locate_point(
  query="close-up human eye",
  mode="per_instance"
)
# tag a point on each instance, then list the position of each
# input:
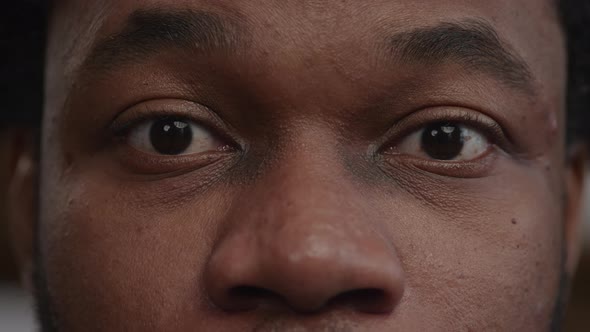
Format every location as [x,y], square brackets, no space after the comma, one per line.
[172,136]
[444,141]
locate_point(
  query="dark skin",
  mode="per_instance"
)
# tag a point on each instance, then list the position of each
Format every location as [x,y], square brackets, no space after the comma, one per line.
[306,198]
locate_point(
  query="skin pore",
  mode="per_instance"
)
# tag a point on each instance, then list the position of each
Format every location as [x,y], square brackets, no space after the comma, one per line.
[306,199]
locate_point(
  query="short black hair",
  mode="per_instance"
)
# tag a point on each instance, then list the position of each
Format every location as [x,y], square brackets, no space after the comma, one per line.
[23,40]
[575,17]
[22,45]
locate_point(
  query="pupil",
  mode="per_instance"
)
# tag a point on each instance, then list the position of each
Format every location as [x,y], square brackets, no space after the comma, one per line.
[171,136]
[443,141]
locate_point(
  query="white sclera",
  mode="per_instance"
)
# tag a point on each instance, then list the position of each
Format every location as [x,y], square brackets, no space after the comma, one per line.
[474,144]
[202,139]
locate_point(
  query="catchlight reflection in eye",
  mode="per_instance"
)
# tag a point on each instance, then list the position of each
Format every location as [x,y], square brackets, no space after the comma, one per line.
[172,136]
[445,141]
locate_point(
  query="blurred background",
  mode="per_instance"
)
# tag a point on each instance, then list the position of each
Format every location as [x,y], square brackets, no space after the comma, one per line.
[21,61]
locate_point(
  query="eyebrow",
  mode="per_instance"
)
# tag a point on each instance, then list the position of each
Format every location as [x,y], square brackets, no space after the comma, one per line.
[474,44]
[149,31]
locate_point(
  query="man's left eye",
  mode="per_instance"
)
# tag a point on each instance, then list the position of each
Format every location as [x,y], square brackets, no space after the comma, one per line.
[444,141]
[172,136]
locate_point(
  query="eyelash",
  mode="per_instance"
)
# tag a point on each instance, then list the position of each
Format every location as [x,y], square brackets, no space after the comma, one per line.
[122,125]
[491,129]
[418,120]
[120,129]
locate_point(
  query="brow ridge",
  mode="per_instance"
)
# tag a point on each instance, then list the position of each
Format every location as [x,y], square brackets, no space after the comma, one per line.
[149,31]
[472,43]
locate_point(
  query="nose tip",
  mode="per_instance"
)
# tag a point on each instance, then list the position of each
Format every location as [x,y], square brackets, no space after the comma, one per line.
[305,276]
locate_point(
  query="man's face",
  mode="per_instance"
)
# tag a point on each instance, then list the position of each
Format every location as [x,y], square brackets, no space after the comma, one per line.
[303,165]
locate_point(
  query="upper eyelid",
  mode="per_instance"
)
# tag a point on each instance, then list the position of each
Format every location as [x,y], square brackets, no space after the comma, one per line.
[423,155]
[189,110]
[125,127]
[124,120]
[471,118]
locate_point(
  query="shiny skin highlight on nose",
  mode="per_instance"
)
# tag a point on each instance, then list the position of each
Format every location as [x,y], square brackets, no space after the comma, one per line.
[307,245]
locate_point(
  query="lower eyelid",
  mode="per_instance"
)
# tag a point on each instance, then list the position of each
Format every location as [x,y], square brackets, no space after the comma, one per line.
[476,168]
[142,163]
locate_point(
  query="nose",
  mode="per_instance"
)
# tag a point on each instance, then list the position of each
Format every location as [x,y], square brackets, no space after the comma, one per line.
[304,247]
[306,272]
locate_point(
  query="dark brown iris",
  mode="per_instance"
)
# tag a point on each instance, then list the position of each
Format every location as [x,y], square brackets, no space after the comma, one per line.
[171,136]
[443,141]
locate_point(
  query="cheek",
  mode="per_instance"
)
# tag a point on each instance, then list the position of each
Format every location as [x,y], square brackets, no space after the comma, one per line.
[483,253]
[109,256]
[477,253]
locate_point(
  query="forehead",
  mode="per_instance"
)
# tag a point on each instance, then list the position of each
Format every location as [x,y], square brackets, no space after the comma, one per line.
[318,29]
[525,24]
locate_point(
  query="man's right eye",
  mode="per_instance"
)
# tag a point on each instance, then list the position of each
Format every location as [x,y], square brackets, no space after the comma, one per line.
[173,136]
[445,141]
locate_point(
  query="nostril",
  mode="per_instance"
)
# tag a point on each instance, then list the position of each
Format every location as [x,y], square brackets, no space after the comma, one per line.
[368,300]
[250,297]
[249,292]
[304,273]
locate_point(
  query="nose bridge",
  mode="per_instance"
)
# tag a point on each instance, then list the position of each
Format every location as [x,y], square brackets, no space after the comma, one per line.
[309,187]
[306,190]
[311,213]
[302,206]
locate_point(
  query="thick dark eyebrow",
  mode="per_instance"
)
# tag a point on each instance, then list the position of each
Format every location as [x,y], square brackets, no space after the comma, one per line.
[150,31]
[473,44]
